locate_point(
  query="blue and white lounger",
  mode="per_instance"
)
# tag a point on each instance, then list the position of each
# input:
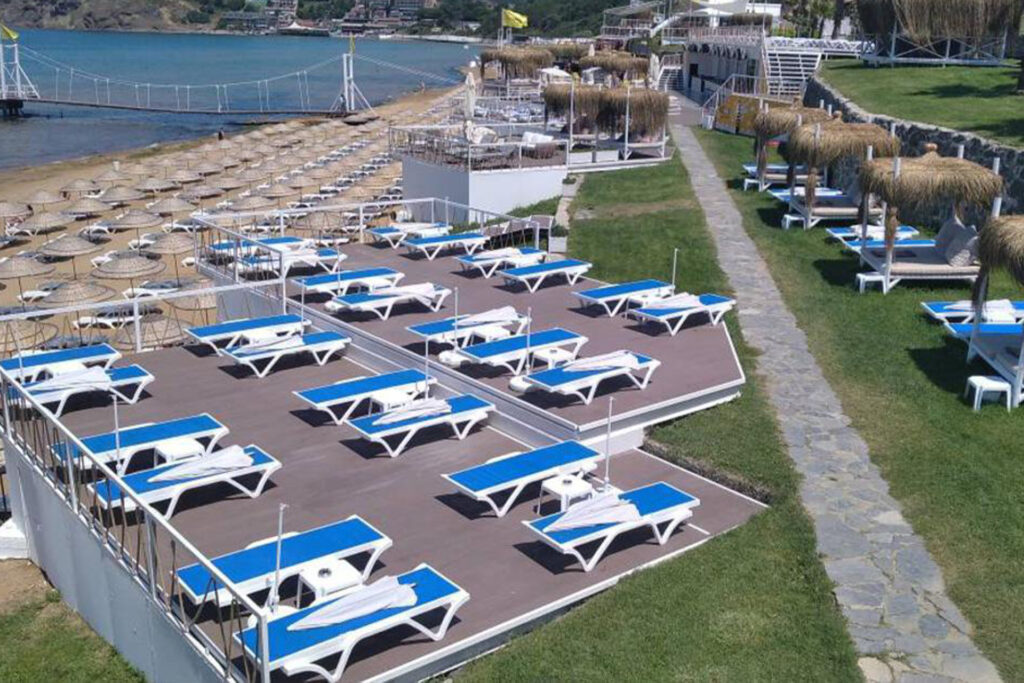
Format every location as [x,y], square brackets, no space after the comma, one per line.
[396,233]
[462,414]
[851,233]
[582,376]
[515,353]
[855,245]
[658,504]
[965,330]
[245,247]
[252,569]
[322,345]
[325,257]
[129,441]
[612,298]
[126,383]
[345,280]
[532,277]
[384,392]
[381,302]
[298,651]
[487,262]
[963,312]
[234,331]
[29,366]
[432,246]
[461,330]
[783,194]
[511,474]
[161,485]
[673,317]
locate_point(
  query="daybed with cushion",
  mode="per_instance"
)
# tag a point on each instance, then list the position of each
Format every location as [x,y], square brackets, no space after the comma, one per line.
[954,256]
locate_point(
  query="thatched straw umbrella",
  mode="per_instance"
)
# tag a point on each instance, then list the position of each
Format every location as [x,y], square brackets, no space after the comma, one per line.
[171,205]
[647,110]
[517,62]
[9,210]
[79,186]
[154,331]
[136,220]
[46,221]
[43,198]
[567,52]
[251,203]
[820,145]
[119,195]
[205,168]
[926,20]
[622,64]
[129,268]
[197,193]
[23,335]
[228,183]
[277,191]
[252,175]
[184,176]
[18,267]
[775,121]
[583,101]
[111,177]
[75,292]
[172,244]
[69,247]
[1000,245]
[155,185]
[229,161]
[87,206]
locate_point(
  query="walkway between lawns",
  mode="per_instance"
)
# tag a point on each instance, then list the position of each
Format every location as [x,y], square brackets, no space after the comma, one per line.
[891,591]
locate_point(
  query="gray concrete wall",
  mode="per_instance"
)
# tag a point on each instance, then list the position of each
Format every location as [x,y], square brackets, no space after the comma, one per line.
[421,180]
[915,135]
[95,585]
[502,191]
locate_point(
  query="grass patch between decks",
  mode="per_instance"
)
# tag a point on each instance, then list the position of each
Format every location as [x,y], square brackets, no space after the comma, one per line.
[752,605]
[958,474]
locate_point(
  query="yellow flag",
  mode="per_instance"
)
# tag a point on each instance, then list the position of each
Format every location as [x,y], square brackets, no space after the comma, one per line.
[352,44]
[7,34]
[510,19]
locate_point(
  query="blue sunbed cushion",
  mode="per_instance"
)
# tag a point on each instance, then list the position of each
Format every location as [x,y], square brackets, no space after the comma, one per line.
[358,387]
[964,330]
[344,276]
[947,308]
[900,244]
[128,373]
[546,267]
[142,482]
[383,230]
[235,326]
[444,239]
[459,405]
[437,326]
[251,563]
[135,436]
[654,310]
[553,377]
[492,474]
[648,500]
[485,350]
[428,585]
[82,353]
[622,289]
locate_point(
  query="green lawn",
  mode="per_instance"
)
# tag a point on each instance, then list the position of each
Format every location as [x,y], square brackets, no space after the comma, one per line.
[43,640]
[959,475]
[981,100]
[752,605]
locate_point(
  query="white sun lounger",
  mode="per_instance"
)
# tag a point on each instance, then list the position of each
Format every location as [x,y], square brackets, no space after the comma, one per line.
[674,317]
[582,376]
[612,298]
[153,486]
[396,233]
[464,412]
[856,245]
[459,331]
[532,277]
[234,331]
[325,257]
[62,387]
[384,392]
[246,247]
[851,233]
[252,569]
[382,301]
[130,441]
[432,246]
[659,505]
[510,474]
[344,280]
[515,353]
[29,366]
[322,345]
[962,311]
[488,262]
[302,651]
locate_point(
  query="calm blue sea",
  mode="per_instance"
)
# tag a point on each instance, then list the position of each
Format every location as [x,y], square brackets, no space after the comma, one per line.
[70,61]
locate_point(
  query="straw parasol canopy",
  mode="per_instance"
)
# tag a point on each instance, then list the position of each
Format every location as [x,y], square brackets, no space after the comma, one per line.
[152,184]
[277,190]
[774,121]
[300,181]
[319,221]
[87,206]
[320,173]
[154,331]
[605,108]
[128,268]
[23,266]
[74,292]
[251,203]
[22,335]
[201,192]
[171,244]
[46,221]
[69,246]
[229,161]
[252,175]
[119,194]
[517,62]
[184,175]
[170,205]
[136,219]
[136,170]
[567,52]
[80,186]
[1000,245]
[207,168]
[13,210]
[43,198]
[246,154]
[820,145]
[927,20]
[228,183]
[204,300]
[111,176]
[622,64]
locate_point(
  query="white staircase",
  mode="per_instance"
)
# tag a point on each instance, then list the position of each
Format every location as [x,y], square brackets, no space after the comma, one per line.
[670,78]
[787,69]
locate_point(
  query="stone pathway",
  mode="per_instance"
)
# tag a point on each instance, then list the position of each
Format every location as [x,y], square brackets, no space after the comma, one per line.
[903,625]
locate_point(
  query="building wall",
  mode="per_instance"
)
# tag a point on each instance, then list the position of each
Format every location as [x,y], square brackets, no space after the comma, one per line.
[92,582]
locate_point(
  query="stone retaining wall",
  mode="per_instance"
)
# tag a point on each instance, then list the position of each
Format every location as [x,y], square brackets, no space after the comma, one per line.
[915,135]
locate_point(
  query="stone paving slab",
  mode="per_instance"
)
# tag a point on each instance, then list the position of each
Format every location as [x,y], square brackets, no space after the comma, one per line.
[888,587]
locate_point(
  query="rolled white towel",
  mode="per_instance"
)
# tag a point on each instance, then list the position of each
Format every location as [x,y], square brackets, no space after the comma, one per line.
[604,508]
[384,593]
[424,407]
[225,460]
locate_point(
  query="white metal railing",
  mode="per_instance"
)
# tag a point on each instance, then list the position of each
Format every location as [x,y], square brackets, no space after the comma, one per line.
[432,145]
